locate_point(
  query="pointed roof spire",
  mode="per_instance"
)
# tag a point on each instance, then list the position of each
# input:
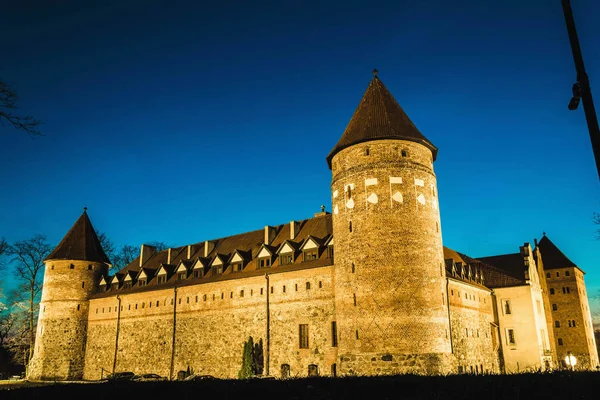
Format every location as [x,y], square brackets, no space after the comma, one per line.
[80,243]
[379,116]
[552,257]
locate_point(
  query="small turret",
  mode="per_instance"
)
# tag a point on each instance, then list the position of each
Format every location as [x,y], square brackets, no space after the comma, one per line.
[72,273]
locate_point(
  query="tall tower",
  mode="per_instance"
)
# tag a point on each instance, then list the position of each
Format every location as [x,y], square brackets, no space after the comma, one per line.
[573,325]
[391,304]
[72,273]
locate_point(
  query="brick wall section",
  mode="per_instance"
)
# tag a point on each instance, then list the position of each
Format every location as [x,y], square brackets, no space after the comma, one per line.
[396,248]
[472,316]
[210,333]
[62,320]
[572,306]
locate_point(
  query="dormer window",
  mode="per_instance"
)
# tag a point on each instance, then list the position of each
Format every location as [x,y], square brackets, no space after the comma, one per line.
[310,254]
[198,273]
[142,282]
[181,275]
[264,262]
[162,279]
[236,267]
[127,285]
[218,269]
[115,286]
[286,259]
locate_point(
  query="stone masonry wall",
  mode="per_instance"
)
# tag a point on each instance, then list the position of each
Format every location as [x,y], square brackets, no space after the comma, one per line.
[390,279]
[569,303]
[212,322]
[472,316]
[62,320]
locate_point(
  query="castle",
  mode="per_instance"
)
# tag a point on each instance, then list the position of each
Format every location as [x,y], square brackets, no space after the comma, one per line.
[367,289]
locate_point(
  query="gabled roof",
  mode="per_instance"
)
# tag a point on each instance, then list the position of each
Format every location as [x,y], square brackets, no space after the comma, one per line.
[80,243]
[288,243]
[379,116]
[310,238]
[552,257]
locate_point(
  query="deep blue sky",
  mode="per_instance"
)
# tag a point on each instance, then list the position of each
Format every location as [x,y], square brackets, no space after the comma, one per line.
[184,121]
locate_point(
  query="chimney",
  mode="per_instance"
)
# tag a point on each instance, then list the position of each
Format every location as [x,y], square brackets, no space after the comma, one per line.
[145,252]
[208,247]
[294,229]
[169,255]
[189,251]
[269,234]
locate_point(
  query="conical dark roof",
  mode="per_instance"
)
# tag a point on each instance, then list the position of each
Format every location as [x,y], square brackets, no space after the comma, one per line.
[80,243]
[552,257]
[379,116]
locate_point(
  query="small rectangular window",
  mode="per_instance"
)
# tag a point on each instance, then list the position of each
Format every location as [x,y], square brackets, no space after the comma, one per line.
[567,273]
[560,342]
[303,336]
[285,259]
[506,308]
[264,262]
[554,307]
[510,337]
[310,255]
[236,267]
[557,324]
[334,339]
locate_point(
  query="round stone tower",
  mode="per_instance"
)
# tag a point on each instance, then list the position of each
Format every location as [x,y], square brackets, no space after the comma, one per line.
[391,307]
[72,273]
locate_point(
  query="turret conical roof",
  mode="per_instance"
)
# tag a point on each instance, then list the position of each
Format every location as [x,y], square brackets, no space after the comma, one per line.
[379,116]
[80,243]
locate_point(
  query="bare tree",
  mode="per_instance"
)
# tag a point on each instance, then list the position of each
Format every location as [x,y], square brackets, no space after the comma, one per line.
[159,246]
[119,257]
[3,250]
[28,262]
[8,106]
[125,256]
[107,245]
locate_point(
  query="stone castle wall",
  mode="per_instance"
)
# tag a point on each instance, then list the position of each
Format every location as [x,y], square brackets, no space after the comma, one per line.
[472,328]
[209,334]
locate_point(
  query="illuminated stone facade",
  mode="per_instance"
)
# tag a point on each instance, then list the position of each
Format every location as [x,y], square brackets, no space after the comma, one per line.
[367,289]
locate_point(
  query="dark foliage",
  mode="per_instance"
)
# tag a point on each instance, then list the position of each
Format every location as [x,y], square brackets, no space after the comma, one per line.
[558,385]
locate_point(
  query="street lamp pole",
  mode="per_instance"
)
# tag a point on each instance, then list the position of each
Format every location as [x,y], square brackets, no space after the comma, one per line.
[581,88]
